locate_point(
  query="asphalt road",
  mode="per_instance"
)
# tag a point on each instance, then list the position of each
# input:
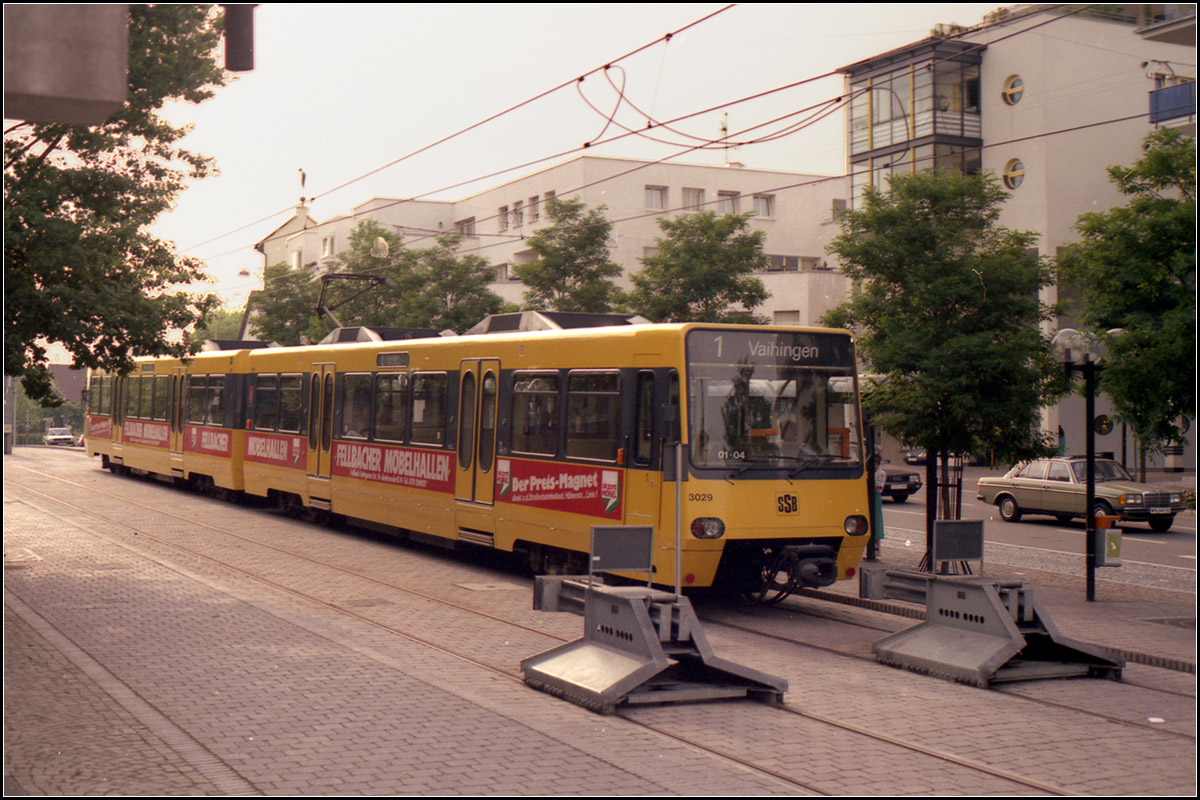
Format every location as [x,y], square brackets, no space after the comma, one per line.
[1175,548]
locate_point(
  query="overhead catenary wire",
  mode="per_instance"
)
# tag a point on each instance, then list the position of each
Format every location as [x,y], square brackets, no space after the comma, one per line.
[665,38]
[653,124]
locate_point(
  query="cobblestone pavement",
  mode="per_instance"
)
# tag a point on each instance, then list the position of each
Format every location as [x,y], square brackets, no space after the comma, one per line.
[131,671]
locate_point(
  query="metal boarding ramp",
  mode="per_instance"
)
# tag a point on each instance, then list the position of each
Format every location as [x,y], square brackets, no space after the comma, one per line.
[979,630]
[640,645]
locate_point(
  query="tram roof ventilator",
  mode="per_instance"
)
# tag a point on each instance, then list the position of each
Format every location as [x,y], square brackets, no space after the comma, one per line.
[550,321]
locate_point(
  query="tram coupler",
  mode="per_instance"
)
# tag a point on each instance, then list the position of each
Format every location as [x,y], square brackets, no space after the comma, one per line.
[640,645]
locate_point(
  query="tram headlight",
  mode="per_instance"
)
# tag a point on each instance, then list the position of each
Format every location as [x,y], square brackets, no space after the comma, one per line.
[708,528]
[856,525]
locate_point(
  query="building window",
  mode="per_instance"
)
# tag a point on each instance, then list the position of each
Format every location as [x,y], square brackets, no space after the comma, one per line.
[764,205]
[1014,87]
[783,263]
[727,202]
[502,218]
[326,247]
[1014,173]
[465,227]
[786,318]
[693,199]
[518,214]
[656,198]
[534,209]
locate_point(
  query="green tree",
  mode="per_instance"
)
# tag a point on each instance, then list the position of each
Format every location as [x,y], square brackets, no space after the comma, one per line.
[220,323]
[377,251]
[947,309]
[572,270]
[1136,267]
[702,272]
[285,310]
[80,266]
[454,292]
[429,288]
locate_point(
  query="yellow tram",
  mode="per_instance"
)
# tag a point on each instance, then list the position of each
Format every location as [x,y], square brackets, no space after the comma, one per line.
[524,441]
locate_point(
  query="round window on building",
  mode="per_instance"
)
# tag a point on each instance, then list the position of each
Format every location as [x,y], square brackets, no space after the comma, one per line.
[1014,173]
[1014,87]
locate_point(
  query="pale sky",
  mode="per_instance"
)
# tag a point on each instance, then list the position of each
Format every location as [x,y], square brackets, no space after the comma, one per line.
[342,90]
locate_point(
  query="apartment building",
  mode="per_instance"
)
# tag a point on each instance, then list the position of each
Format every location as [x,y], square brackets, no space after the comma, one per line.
[796,212]
[1046,97]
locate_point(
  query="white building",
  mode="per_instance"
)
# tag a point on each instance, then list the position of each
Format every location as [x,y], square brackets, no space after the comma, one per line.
[1045,97]
[797,212]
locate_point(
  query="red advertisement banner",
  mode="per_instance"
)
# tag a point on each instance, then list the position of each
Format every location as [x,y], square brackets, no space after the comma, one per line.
[153,434]
[579,489]
[208,441]
[278,451]
[398,466]
[99,427]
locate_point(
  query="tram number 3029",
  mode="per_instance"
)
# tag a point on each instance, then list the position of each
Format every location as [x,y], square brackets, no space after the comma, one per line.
[786,504]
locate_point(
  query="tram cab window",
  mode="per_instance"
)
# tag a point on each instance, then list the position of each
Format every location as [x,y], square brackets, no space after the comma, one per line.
[428,408]
[535,413]
[356,406]
[389,406]
[593,415]
[100,395]
[266,402]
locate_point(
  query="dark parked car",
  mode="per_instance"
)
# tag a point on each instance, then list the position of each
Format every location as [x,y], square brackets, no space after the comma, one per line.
[1058,486]
[901,483]
[915,457]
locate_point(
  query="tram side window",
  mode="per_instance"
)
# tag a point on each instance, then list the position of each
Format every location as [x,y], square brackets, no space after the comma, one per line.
[133,396]
[216,400]
[196,385]
[291,402]
[356,406]
[593,415]
[266,402]
[535,413]
[389,406]
[162,398]
[644,424]
[429,408]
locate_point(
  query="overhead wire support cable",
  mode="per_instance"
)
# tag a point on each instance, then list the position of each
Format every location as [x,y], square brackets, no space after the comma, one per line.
[664,38]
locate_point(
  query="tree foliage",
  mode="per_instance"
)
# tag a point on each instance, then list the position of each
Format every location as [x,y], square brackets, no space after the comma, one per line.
[947,307]
[81,268]
[1136,268]
[571,270]
[285,310]
[702,272]
[429,287]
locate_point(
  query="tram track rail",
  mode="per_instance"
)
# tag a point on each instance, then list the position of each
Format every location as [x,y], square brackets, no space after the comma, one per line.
[341,609]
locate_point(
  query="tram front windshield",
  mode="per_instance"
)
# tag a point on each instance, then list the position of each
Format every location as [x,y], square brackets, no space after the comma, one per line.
[773,400]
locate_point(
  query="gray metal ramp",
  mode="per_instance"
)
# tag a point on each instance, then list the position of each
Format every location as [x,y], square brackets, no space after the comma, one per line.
[640,645]
[982,631]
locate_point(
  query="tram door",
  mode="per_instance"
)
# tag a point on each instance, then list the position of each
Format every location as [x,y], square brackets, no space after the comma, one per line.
[320,422]
[177,404]
[479,382]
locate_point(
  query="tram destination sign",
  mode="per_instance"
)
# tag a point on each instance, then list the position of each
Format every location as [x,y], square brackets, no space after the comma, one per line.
[767,347]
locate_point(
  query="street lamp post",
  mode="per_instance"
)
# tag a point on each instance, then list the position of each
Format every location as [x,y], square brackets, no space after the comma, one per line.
[1083,352]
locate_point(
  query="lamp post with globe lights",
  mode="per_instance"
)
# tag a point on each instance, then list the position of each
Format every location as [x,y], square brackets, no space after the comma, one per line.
[1083,352]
